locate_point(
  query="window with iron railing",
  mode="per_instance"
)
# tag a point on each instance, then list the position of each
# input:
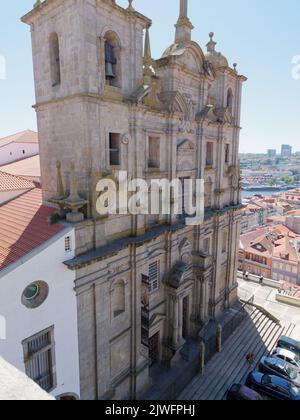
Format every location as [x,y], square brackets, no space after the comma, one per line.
[39,359]
[154,276]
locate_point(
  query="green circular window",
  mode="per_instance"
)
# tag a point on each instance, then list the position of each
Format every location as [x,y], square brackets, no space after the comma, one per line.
[35,294]
[31,292]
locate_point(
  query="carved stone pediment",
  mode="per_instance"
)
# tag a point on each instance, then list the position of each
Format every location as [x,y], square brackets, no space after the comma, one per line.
[186,155]
[223,115]
[178,275]
[185,145]
[219,115]
[156,318]
[147,94]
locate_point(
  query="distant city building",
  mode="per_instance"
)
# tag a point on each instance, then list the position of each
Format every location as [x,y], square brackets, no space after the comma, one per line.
[286,150]
[18,146]
[272,153]
[273,252]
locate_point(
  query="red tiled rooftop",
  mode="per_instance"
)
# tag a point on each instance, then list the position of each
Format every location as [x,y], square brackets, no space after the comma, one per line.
[29,167]
[250,237]
[10,182]
[24,226]
[27,136]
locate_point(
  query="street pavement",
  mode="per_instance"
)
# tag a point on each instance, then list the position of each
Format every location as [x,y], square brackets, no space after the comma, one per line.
[266,297]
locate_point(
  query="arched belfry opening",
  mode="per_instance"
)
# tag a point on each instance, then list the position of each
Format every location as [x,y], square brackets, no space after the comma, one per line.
[113,67]
[55,60]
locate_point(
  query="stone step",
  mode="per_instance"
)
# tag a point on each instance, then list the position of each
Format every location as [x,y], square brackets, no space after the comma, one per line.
[235,340]
[229,368]
[233,348]
[259,352]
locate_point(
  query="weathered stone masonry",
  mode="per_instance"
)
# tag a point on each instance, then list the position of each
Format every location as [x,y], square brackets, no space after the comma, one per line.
[103,104]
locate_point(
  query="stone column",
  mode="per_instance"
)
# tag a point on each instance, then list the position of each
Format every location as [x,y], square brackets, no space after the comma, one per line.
[180,319]
[202,358]
[202,300]
[175,322]
[206,298]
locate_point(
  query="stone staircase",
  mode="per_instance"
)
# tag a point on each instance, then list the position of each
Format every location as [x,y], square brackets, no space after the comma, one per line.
[257,334]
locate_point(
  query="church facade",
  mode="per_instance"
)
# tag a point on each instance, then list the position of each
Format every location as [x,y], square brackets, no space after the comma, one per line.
[144,283]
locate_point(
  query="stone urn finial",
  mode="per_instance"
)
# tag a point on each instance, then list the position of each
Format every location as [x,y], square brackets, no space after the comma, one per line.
[74,202]
[60,187]
[130,8]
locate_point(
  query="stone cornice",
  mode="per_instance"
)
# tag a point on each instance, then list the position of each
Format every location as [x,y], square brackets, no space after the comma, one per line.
[172,64]
[48,5]
[231,72]
[85,95]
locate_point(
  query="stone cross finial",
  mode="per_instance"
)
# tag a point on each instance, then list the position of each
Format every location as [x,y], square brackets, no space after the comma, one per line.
[184,8]
[211,46]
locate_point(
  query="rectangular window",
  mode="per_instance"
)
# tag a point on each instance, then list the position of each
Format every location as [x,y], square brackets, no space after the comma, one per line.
[227,153]
[39,359]
[209,154]
[206,245]
[154,152]
[68,244]
[154,276]
[114,149]
[224,243]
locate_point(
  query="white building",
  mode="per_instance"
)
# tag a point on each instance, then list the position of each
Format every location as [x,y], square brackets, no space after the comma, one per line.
[38,328]
[18,146]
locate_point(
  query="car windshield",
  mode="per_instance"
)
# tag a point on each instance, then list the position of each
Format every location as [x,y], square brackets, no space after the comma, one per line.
[297,360]
[266,380]
[292,374]
[294,391]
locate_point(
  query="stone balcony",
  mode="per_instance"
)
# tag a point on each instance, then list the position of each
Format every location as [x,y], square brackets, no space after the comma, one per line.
[202,261]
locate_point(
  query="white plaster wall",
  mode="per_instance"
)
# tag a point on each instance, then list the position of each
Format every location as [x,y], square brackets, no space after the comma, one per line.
[59,310]
[14,151]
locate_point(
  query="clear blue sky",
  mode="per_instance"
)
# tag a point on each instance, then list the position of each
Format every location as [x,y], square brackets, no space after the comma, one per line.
[261,36]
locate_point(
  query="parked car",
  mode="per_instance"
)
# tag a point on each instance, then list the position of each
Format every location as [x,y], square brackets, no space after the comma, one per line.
[240,392]
[289,344]
[277,367]
[273,386]
[287,356]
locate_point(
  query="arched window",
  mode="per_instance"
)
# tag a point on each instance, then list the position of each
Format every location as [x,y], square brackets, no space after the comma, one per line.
[208,193]
[113,73]
[55,59]
[118,298]
[230,100]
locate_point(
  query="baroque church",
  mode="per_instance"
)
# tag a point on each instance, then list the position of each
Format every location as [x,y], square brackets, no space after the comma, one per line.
[145,284]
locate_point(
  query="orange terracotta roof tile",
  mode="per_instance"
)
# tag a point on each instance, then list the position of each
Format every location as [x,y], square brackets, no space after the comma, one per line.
[24,226]
[10,182]
[27,136]
[29,167]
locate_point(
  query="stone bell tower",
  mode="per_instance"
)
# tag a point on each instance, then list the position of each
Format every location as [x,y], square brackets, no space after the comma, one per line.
[72,42]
